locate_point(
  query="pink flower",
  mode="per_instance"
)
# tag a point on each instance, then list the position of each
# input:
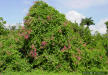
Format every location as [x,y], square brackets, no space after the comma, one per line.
[64,48]
[79,58]
[35,50]
[43,43]
[26,36]
[16,39]
[33,53]
[32,46]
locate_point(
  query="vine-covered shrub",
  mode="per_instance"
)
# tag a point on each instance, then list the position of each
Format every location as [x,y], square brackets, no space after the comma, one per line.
[54,43]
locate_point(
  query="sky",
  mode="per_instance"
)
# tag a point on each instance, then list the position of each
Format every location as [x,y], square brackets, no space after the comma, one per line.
[13,11]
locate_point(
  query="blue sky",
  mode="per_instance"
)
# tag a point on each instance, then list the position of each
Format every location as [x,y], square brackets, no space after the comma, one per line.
[13,11]
[89,8]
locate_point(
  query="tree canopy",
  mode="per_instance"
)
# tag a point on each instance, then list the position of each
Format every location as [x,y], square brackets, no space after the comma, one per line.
[87,21]
[2,22]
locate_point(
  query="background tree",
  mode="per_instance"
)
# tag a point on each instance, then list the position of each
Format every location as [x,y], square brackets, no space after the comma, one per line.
[13,28]
[87,21]
[106,26]
[2,22]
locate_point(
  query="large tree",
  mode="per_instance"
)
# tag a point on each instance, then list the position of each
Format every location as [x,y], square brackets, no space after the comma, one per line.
[87,21]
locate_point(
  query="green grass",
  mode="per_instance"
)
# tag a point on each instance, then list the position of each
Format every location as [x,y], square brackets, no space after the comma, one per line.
[39,73]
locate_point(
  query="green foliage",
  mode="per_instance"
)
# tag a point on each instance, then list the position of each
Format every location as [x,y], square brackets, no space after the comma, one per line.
[10,57]
[10,60]
[48,41]
[12,27]
[105,42]
[106,26]
[40,72]
[87,21]
[57,44]
[45,27]
[2,29]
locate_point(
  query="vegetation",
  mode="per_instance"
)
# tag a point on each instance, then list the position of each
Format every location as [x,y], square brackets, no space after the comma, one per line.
[39,72]
[106,25]
[87,21]
[49,42]
[2,22]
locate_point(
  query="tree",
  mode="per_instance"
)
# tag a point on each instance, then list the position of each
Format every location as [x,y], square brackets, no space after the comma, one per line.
[87,21]
[2,22]
[106,25]
[13,28]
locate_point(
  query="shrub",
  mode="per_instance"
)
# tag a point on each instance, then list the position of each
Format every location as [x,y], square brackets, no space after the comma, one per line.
[54,43]
[10,57]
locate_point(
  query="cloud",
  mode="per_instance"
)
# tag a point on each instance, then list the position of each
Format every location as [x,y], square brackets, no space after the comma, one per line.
[79,3]
[74,16]
[100,27]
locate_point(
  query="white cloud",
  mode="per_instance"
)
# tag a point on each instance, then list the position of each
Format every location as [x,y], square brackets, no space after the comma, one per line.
[80,3]
[74,16]
[100,27]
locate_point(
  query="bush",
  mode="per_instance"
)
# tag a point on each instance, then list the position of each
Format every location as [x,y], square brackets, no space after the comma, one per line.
[48,41]
[54,43]
[10,57]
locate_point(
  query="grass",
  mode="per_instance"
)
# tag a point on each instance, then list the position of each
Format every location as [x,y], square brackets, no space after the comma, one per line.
[40,73]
